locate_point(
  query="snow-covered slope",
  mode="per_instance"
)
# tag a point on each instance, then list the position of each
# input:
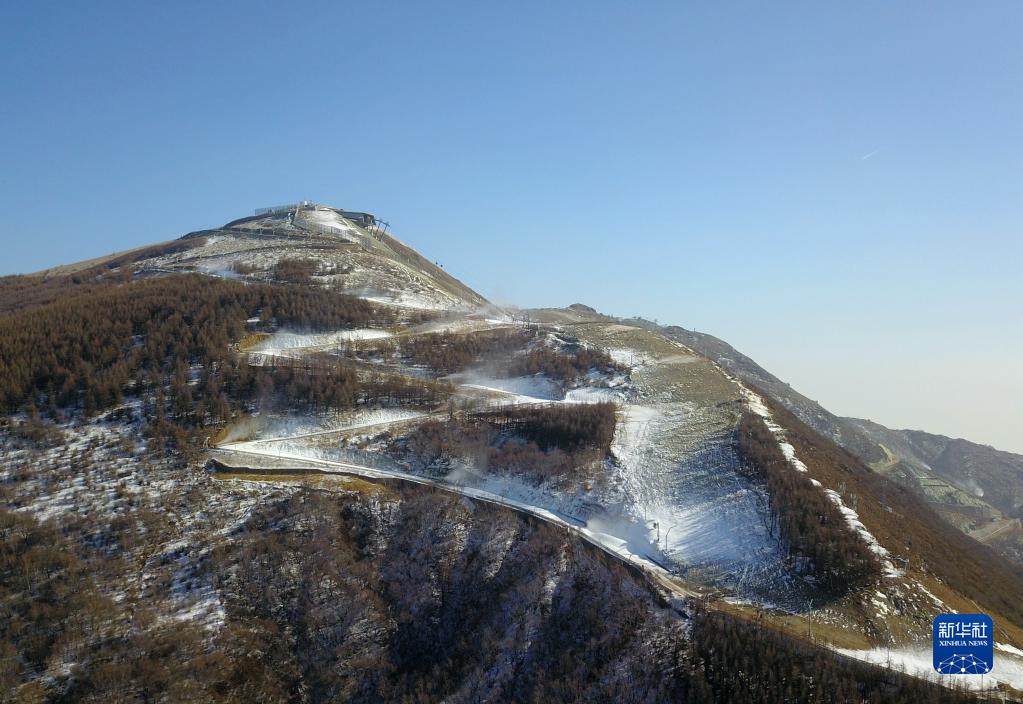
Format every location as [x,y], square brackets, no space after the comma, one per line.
[353,259]
[976,488]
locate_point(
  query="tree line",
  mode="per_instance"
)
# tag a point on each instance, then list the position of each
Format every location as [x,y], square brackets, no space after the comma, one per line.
[449,352]
[327,384]
[567,427]
[808,522]
[564,366]
[23,291]
[541,442]
[746,662]
[295,270]
[86,349]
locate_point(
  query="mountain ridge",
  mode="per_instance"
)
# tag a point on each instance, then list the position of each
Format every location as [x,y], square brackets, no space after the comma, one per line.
[329,352]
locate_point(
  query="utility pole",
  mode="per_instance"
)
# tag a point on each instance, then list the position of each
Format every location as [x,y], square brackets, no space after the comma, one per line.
[666,534]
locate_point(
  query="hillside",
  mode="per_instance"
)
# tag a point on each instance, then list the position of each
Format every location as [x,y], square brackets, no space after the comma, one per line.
[974,487]
[304,462]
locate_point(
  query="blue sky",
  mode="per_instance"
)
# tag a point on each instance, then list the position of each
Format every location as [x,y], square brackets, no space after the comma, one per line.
[834,190]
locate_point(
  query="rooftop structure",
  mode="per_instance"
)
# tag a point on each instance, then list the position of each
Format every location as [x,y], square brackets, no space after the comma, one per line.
[360,218]
[281,209]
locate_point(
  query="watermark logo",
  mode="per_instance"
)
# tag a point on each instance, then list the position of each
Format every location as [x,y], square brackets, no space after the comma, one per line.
[964,644]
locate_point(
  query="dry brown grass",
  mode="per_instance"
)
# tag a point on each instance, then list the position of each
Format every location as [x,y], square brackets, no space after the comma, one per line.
[314,480]
[251,340]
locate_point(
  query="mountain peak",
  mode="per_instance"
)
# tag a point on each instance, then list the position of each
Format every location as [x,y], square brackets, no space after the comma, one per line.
[349,251]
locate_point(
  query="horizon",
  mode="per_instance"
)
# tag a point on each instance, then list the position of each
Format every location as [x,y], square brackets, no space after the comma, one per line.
[851,223]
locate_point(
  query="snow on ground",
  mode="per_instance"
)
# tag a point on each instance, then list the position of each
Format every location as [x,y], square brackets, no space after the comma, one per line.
[938,602]
[460,324]
[101,473]
[516,389]
[284,341]
[373,271]
[511,493]
[1011,649]
[697,510]
[880,601]
[622,533]
[852,519]
[594,394]
[918,661]
[284,428]
[674,494]
[282,448]
[628,357]
[320,219]
[221,270]
[192,598]
[417,300]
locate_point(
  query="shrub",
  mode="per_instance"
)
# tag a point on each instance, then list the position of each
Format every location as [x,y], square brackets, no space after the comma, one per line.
[451,352]
[541,441]
[566,367]
[295,271]
[567,427]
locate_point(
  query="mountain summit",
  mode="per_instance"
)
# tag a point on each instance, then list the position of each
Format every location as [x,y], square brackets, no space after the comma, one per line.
[352,252]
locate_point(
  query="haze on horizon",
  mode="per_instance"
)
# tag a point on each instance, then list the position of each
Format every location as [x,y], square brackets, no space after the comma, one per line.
[835,191]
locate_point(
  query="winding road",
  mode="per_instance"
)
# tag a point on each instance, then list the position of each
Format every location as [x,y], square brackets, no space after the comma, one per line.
[251,460]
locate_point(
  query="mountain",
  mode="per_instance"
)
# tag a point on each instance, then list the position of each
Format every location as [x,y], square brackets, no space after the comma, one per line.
[975,487]
[292,459]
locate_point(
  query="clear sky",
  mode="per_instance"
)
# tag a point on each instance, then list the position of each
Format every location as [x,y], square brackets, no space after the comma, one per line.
[836,191]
